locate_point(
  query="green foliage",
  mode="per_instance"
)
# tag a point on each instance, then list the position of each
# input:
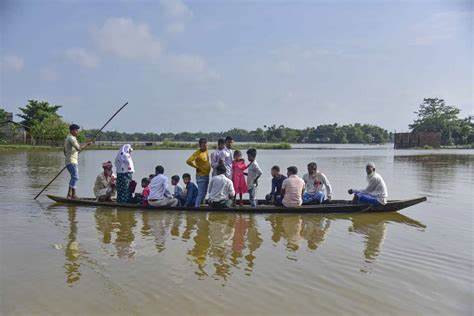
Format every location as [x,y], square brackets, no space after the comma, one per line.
[331,133]
[434,115]
[3,115]
[50,130]
[3,118]
[36,112]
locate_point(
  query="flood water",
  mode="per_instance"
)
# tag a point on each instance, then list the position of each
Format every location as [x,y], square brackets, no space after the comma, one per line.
[85,260]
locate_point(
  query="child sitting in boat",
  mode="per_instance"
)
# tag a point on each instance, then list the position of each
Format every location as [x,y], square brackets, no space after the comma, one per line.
[142,198]
[190,191]
[238,175]
[178,190]
[275,196]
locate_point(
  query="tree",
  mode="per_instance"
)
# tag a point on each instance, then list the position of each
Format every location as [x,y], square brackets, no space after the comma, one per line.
[434,115]
[3,115]
[37,111]
[3,118]
[51,130]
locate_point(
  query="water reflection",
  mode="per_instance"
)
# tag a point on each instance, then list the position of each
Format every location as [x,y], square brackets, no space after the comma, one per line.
[220,244]
[295,228]
[110,222]
[71,252]
[434,171]
[373,227]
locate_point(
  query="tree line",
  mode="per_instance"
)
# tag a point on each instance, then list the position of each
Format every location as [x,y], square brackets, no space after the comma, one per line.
[330,133]
[46,126]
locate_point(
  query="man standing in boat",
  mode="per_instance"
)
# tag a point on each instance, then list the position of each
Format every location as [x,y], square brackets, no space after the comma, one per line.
[71,153]
[376,191]
[200,161]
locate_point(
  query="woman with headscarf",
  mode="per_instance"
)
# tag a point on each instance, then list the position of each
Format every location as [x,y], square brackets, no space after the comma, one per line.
[125,169]
[104,187]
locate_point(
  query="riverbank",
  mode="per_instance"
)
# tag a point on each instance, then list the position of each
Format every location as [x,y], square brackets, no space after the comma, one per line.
[161,146]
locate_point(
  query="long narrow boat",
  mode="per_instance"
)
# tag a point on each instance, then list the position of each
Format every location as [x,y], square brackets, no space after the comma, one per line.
[335,206]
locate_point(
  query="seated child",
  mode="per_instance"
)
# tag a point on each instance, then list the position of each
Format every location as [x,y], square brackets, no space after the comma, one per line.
[275,197]
[178,190]
[142,198]
[190,191]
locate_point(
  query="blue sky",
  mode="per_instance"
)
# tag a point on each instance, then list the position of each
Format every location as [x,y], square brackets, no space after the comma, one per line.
[210,65]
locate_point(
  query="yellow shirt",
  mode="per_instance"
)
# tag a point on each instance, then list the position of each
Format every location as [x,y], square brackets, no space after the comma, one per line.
[71,150]
[200,160]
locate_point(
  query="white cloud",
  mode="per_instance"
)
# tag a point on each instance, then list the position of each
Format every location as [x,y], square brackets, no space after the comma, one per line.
[442,26]
[189,66]
[125,38]
[176,9]
[12,62]
[82,57]
[49,74]
[177,14]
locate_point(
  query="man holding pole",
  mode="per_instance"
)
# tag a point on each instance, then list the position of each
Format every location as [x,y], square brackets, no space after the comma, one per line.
[71,153]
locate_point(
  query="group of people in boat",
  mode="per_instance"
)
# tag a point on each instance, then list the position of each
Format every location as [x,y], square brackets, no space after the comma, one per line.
[222,176]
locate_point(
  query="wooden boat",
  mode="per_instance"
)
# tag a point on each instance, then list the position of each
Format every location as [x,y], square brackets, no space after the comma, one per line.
[334,206]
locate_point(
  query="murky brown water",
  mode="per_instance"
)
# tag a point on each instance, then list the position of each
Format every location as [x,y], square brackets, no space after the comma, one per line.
[82,260]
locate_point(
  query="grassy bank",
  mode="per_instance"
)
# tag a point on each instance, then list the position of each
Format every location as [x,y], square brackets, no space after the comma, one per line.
[162,146]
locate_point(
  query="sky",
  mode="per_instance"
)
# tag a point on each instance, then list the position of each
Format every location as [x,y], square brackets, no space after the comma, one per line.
[216,65]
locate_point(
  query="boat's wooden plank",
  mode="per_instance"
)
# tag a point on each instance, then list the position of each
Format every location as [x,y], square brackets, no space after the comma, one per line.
[332,207]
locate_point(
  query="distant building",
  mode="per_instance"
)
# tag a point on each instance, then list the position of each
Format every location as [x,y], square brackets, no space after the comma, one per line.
[12,132]
[417,139]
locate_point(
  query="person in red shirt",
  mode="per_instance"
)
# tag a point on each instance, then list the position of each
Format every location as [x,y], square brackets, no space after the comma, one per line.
[146,191]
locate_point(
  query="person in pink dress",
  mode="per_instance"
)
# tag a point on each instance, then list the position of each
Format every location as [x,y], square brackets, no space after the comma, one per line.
[238,175]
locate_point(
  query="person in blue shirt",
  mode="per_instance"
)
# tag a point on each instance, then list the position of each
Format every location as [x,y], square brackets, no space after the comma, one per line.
[190,192]
[178,192]
[275,196]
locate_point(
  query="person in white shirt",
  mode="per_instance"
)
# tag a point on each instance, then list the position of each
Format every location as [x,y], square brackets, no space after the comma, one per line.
[159,192]
[317,186]
[253,174]
[229,156]
[376,191]
[222,156]
[221,189]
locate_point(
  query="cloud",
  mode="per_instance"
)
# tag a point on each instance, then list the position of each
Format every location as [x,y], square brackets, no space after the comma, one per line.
[49,74]
[189,66]
[125,38]
[441,26]
[177,15]
[12,62]
[175,9]
[82,57]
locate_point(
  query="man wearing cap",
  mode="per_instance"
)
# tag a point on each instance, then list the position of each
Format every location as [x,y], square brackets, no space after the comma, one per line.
[376,191]
[71,153]
[104,187]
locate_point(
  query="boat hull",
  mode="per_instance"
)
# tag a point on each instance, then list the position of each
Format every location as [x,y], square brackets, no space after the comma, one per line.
[337,206]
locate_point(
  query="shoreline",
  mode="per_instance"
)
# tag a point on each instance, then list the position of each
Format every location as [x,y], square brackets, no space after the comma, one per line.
[189,146]
[164,146]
